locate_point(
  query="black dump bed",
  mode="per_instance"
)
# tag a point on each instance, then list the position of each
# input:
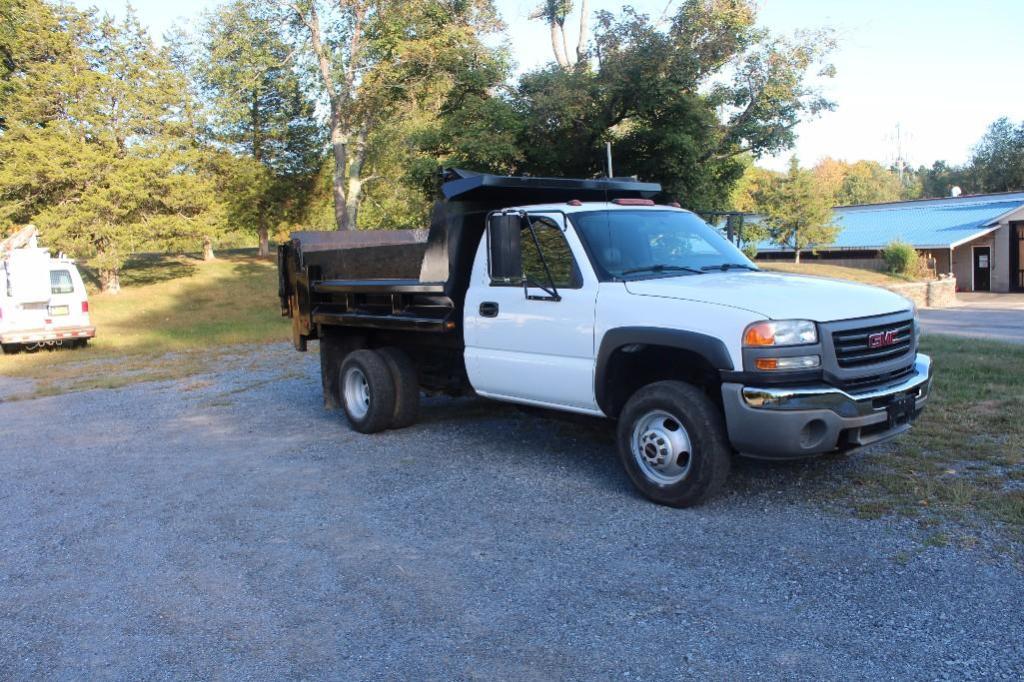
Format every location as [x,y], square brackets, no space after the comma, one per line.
[415,279]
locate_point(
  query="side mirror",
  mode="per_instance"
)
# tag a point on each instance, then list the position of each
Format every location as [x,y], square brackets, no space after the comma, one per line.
[504,233]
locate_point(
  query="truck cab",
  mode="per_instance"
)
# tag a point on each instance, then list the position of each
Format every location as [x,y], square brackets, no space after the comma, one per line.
[611,304]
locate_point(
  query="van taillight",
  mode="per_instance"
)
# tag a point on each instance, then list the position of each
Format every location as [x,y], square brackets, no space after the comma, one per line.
[85,306]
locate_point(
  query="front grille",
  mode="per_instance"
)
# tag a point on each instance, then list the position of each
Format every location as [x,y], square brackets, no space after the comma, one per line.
[853,348]
[876,380]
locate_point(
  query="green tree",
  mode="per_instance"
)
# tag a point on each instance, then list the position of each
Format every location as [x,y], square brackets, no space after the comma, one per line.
[257,108]
[376,57]
[996,165]
[912,184]
[939,179]
[744,199]
[98,151]
[797,211]
[997,161]
[868,182]
[682,103]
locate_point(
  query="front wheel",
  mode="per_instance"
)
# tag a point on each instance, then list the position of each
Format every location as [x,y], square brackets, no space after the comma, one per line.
[673,445]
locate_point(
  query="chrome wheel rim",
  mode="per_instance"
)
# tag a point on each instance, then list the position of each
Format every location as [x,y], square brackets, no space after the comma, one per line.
[357,393]
[662,448]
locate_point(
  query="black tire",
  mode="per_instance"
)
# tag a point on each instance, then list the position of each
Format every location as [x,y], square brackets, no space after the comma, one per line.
[706,467]
[407,386]
[369,403]
[11,348]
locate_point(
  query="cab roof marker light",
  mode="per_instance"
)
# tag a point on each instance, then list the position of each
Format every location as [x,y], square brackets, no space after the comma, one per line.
[633,202]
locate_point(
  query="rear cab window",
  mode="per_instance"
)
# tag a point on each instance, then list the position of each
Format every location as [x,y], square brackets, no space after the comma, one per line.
[61,282]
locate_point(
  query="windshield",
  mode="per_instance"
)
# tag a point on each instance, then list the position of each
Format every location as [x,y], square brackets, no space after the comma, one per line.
[634,244]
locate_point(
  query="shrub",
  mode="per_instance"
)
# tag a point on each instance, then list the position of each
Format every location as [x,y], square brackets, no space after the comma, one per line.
[901,258]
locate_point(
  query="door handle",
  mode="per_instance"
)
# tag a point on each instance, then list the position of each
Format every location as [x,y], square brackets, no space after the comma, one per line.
[488,309]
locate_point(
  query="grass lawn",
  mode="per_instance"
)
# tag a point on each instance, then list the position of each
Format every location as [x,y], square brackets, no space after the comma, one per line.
[964,459]
[167,304]
[816,269]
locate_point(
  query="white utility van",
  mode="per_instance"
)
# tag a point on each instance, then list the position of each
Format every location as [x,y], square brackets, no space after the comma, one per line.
[42,299]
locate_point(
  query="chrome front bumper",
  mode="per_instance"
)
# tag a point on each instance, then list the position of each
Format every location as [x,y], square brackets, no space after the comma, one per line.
[788,422]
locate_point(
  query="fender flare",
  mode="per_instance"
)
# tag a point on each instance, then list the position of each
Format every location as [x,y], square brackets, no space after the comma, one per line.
[712,349]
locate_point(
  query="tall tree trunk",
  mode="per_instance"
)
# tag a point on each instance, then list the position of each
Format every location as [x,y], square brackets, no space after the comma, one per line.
[341,98]
[569,57]
[339,144]
[208,254]
[581,44]
[558,45]
[110,281]
[796,256]
[257,154]
[264,249]
[264,234]
[355,178]
[355,187]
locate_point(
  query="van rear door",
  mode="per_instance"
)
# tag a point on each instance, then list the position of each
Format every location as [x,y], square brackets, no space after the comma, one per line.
[65,308]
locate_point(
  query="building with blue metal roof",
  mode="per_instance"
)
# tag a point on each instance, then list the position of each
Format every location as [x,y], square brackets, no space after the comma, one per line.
[978,238]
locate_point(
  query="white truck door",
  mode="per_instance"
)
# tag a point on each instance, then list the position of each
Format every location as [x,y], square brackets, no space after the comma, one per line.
[534,350]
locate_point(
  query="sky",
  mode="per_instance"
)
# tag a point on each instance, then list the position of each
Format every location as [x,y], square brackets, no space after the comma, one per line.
[940,70]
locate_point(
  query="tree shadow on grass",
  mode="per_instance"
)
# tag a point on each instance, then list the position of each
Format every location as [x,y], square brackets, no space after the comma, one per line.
[143,269]
[250,269]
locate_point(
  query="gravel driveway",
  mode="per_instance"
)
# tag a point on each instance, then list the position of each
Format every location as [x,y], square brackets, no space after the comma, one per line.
[226,526]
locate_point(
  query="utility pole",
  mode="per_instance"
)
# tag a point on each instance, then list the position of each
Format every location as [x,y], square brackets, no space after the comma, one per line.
[900,162]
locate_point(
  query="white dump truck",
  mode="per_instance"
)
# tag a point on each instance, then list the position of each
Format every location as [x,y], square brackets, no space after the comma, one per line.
[600,297]
[43,301]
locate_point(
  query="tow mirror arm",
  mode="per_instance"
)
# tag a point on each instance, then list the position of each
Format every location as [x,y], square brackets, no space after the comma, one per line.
[550,289]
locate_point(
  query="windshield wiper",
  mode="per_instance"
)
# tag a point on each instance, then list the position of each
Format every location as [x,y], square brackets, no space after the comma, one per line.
[724,267]
[660,267]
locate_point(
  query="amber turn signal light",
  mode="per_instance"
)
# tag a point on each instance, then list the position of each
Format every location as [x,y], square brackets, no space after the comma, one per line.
[760,334]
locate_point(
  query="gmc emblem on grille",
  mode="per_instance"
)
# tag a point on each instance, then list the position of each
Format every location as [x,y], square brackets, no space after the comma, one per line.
[882,339]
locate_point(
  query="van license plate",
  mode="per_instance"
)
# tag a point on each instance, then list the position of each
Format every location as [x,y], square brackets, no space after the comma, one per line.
[901,410]
[59,310]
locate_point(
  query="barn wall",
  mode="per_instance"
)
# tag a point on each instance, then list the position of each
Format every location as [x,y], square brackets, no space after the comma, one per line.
[963,263]
[1001,259]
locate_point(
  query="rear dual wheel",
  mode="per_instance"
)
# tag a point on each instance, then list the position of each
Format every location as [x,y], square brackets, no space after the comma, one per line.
[407,387]
[379,389]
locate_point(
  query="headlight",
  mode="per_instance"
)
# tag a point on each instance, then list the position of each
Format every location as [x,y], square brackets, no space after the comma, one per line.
[780,333]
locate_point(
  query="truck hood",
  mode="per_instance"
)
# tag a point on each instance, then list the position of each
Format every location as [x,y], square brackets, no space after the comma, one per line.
[776,296]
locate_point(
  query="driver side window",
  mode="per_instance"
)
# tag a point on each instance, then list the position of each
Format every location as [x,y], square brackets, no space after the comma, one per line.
[556,252]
